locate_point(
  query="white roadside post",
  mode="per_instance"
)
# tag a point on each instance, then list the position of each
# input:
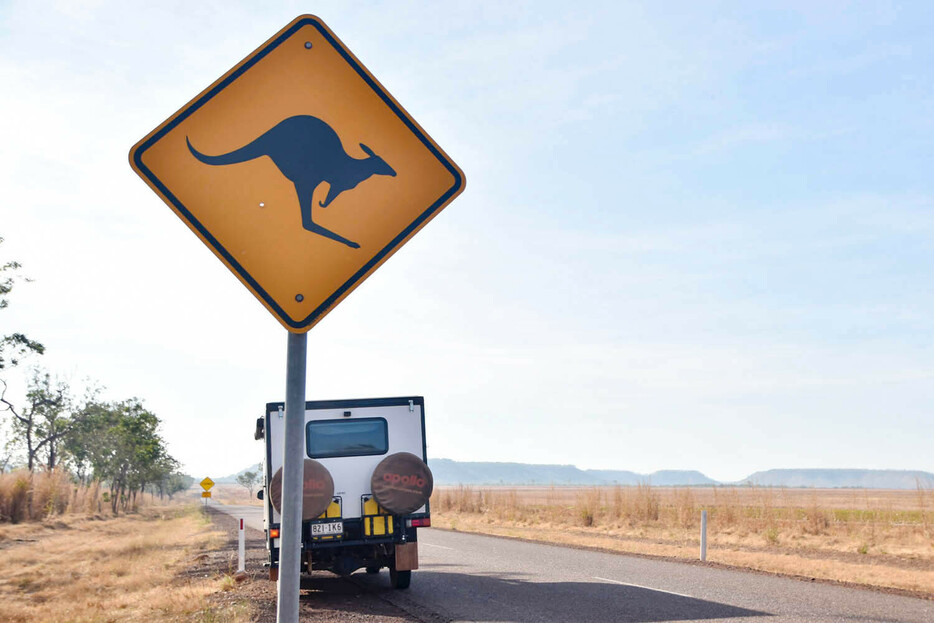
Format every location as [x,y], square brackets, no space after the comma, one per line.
[241,549]
[703,535]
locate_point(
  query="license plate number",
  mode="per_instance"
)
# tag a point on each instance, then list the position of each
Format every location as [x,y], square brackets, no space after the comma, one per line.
[327,529]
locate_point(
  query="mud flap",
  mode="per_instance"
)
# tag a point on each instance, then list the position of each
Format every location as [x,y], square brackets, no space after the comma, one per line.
[407,556]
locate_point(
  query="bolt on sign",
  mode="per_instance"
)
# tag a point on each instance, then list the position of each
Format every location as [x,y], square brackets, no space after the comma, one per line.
[206,484]
[299,171]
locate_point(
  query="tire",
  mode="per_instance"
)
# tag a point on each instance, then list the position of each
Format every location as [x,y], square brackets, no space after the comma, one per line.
[400,579]
[372,570]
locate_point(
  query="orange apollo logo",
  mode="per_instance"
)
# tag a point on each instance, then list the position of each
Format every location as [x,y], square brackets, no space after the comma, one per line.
[396,479]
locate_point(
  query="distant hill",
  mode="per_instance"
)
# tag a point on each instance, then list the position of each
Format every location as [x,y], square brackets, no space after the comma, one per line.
[837,478]
[663,478]
[449,472]
[232,478]
[670,478]
[615,476]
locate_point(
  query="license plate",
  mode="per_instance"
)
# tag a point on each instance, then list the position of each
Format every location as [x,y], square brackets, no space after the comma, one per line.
[331,528]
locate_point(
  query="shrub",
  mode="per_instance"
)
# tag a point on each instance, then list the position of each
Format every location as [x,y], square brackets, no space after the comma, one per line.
[588,505]
[14,496]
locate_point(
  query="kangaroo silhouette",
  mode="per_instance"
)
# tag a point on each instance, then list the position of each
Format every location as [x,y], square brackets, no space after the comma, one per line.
[307,151]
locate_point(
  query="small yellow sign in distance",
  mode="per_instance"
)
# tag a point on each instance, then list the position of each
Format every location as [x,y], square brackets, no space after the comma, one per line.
[299,171]
[205,494]
[206,484]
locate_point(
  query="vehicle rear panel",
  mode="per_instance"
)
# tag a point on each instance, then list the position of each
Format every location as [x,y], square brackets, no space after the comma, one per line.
[405,425]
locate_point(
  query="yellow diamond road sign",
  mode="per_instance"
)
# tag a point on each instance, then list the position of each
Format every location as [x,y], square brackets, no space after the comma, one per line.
[207,483]
[299,171]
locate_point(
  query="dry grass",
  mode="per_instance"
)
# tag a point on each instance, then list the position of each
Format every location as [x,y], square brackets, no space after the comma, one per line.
[33,497]
[26,496]
[129,568]
[882,538]
[233,494]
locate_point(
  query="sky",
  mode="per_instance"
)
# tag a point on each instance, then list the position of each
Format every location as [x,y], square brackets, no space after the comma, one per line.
[695,235]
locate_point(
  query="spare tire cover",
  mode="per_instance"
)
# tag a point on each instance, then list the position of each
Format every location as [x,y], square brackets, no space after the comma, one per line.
[401,483]
[317,489]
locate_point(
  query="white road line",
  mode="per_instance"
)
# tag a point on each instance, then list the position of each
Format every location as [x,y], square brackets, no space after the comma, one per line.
[648,588]
[438,546]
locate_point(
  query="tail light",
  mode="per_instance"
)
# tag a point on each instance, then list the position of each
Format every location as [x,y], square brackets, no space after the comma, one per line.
[424,522]
[274,533]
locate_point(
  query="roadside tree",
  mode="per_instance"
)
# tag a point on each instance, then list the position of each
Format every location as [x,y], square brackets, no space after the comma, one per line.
[175,482]
[248,480]
[119,444]
[39,427]
[15,346]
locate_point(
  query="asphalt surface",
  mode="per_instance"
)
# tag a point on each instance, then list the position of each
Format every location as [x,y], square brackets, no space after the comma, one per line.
[465,577]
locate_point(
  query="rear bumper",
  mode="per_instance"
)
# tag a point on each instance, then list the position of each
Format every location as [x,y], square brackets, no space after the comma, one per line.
[354,548]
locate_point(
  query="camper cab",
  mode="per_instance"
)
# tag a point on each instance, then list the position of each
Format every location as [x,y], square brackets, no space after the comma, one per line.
[374,450]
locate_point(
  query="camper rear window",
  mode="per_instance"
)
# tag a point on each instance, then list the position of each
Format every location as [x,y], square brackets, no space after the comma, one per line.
[331,438]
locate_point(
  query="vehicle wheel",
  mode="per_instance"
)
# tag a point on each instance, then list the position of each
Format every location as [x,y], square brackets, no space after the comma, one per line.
[372,570]
[400,579]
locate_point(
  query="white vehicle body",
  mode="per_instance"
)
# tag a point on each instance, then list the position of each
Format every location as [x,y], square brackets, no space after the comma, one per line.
[350,438]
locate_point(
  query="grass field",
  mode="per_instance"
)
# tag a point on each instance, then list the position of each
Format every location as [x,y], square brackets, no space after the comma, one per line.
[233,494]
[138,567]
[878,538]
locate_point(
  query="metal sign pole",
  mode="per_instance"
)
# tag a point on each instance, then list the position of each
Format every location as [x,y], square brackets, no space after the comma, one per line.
[292,473]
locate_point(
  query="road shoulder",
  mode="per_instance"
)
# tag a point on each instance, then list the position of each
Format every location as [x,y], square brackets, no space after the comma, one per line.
[325,597]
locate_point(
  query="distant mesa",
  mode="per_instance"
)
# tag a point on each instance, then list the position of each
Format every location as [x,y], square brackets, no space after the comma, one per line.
[842,478]
[450,472]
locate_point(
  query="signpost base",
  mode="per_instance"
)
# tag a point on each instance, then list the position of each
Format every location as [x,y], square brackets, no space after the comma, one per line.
[292,464]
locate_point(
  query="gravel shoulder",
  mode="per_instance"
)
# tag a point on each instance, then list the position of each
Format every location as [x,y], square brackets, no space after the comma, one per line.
[324,596]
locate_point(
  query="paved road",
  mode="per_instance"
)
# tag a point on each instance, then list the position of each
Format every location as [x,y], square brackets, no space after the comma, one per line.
[464,577]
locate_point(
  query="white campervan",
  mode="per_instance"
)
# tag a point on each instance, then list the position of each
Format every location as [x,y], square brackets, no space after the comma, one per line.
[366,484]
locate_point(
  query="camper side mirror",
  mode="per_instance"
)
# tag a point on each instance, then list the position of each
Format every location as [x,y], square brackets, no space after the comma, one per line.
[259,494]
[260,432]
